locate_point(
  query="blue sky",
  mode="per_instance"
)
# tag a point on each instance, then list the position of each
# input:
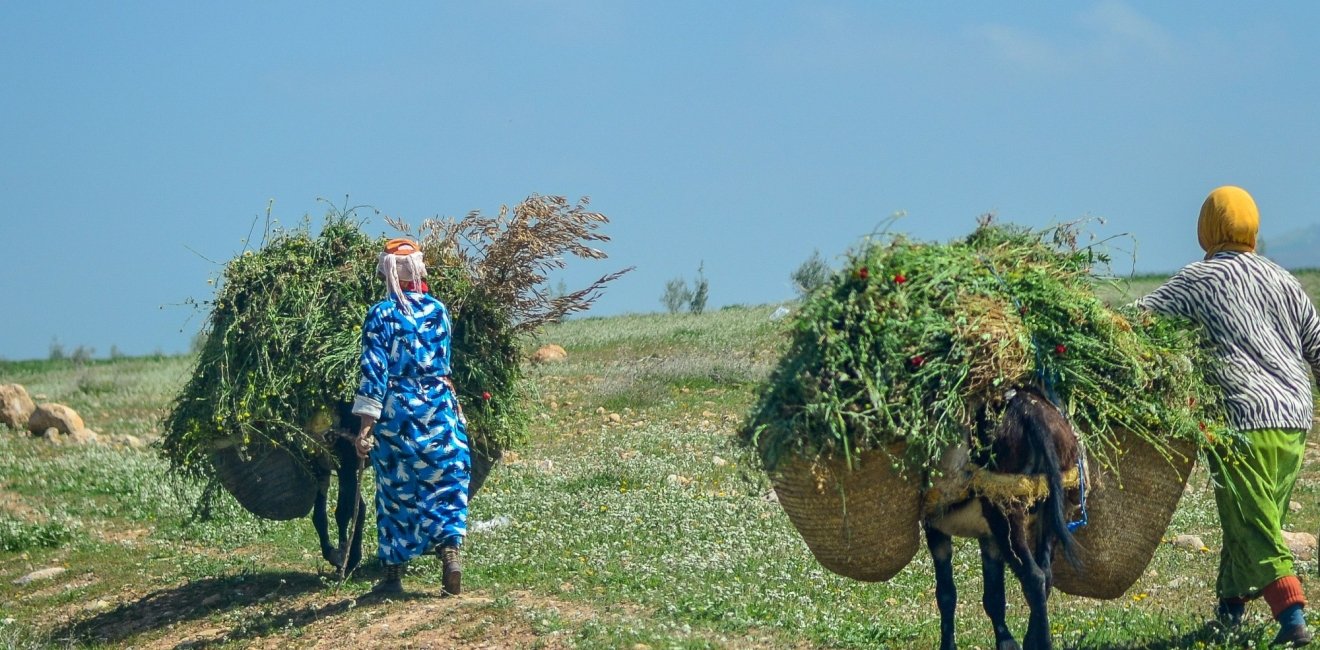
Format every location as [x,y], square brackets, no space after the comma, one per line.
[138,141]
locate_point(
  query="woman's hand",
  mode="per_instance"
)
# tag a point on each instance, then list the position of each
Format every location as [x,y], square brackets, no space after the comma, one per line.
[364,440]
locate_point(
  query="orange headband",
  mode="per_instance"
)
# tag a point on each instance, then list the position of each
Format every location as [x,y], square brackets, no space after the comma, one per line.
[400,246]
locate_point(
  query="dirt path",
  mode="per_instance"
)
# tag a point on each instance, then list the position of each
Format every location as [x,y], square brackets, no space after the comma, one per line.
[286,611]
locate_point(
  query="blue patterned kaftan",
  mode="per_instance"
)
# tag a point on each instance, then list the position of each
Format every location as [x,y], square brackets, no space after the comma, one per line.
[421,454]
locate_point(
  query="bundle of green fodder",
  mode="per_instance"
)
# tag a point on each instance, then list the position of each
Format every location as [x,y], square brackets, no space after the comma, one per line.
[910,338]
[887,364]
[282,343]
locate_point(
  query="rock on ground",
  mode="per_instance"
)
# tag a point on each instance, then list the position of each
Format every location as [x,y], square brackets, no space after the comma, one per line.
[41,574]
[15,406]
[1189,542]
[57,416]
[549,354]
[1302,545]
[82,437]
[128,440]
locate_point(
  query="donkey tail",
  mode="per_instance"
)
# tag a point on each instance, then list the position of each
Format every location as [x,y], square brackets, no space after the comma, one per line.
[1040,423]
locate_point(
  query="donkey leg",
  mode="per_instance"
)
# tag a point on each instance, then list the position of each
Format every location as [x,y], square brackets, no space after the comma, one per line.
[1045,560]
[1010,531]
[992,599]
[946,592]
[321,522]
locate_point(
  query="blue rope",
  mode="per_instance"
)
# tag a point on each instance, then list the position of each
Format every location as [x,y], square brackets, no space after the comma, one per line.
[1046,380]
[1081,490]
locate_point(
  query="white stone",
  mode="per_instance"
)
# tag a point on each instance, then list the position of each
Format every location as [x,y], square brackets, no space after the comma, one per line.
[40,574]
[1189,542]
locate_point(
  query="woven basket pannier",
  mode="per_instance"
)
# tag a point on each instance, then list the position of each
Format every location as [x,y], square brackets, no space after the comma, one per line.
[267,480]
[1128,509]
[860,523]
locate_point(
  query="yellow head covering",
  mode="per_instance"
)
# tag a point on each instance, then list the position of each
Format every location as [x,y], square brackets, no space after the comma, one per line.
[1229,221]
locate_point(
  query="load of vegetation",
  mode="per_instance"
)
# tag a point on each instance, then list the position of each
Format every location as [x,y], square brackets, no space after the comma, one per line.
[910,338]
[282,343]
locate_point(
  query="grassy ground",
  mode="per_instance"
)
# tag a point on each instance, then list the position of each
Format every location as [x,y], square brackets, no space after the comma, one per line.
[630,521]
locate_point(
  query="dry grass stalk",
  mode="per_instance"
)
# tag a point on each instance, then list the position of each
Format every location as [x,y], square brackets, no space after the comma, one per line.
[509,255]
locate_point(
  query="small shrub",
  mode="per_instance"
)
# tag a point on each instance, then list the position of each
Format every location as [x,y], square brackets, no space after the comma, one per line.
[676,295]
[812,274]
[17,536]
[82,354]
[93,385]
[700,292]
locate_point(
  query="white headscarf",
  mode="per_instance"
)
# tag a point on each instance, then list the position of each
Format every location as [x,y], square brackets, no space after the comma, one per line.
[401,262]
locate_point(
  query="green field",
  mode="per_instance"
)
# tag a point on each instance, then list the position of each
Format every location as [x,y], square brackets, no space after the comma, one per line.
[650,529]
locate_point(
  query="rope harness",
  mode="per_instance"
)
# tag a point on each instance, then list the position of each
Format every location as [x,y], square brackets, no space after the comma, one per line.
[1025,490]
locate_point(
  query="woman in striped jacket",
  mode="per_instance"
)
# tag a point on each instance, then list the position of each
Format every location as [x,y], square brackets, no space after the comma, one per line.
[1266,338]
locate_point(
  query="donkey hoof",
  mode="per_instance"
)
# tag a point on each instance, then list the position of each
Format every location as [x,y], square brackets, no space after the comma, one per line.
[332,556]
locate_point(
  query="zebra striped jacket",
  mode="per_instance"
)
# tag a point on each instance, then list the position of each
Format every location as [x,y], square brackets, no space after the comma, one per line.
[1265,332]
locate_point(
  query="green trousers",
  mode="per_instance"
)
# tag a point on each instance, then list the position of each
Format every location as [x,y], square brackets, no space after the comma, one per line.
[1253,483]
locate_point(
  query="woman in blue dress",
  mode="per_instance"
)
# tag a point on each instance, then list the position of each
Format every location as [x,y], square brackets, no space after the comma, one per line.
[411,425]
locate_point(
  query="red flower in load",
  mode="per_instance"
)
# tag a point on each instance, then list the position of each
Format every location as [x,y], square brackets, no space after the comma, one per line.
[485,397]
[900,278]
[1191,401]
[1022,310]
[917,361]
[1060,349]
[1203,426]
[863,273]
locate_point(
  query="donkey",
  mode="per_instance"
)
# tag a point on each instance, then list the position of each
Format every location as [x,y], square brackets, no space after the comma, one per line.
[1032,437]
[345,464]
[347,512]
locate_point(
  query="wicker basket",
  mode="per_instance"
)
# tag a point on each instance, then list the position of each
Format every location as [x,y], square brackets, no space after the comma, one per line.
[485,455]
[860,523]
[267,480]
[1128,512]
